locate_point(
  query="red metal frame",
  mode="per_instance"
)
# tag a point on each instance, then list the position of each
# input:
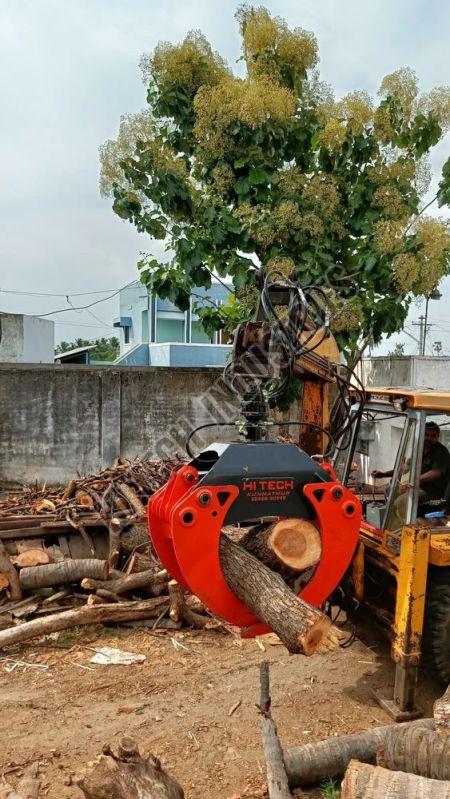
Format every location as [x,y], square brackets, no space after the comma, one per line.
[185,521]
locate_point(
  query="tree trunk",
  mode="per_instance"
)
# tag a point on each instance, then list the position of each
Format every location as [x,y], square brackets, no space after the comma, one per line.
[417,751]
[302,628]
[6,567]
[312,763]
[362,781]
[277,781]
[441,712]
[149,581]
[95,614]
[288,546]
[66,571]
[127,776]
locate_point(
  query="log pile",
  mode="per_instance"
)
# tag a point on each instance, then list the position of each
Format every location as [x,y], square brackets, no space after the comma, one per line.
[81,554]
[402,760]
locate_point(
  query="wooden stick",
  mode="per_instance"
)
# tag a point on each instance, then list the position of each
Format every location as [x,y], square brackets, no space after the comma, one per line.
[150,581]
[114,527]
[109,596]
[362,781]
[313,763]
[96,614]
[6,567]
[132,498]
[302,628]
[277,781]
[65,571]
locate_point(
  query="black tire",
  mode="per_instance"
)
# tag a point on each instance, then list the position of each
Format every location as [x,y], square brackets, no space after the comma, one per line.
[436,630]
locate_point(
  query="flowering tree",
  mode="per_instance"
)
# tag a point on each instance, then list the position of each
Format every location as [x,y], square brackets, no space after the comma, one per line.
[269,169]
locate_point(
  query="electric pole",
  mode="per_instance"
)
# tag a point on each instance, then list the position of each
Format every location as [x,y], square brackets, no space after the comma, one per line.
[424,327]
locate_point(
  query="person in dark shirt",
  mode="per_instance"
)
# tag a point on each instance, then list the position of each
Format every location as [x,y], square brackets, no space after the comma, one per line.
[435,470]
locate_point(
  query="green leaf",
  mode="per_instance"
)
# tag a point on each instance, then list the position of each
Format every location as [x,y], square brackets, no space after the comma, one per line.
[258,176]
[242,186]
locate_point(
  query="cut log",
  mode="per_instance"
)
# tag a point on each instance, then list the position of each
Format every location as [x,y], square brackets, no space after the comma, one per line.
[417,751]
[277,781]
[31,557]
[84,499]
[288,546]
[76,617]
[313,763]
[177,600]
[4,581]
[132,498]
[441,712]
[66,571]
[150,581]
[6,567]
[127,775]
[302,628]
[362,781]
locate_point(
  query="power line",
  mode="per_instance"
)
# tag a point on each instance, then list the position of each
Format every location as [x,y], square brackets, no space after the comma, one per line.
[47,294]
[84,307]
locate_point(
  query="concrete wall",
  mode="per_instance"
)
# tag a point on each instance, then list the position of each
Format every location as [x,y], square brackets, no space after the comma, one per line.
[415,370]
[26,339]
[57,421]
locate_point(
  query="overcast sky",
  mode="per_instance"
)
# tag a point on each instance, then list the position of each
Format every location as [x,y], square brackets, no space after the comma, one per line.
[69,69]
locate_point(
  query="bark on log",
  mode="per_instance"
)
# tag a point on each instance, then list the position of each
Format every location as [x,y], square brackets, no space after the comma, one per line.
[96,614]
[288,546]
[302,628]
[441,712]
[417,751]
[362,781]
[70,489]
[312,763]
[66,571]
[150,581]
[132,498]
[277,781]
[6,567]
[127,775]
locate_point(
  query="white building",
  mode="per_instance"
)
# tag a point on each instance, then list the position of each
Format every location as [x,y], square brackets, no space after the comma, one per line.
[26,339]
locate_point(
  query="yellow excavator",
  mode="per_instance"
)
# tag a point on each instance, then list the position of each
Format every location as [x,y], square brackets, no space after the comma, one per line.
[396,562]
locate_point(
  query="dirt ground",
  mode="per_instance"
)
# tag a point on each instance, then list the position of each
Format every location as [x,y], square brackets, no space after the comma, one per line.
[181,704]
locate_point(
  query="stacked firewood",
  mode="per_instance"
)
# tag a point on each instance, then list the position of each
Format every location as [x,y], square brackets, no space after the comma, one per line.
[81,554]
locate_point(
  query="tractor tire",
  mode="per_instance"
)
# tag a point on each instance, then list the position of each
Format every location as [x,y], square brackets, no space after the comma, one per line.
[436,630]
